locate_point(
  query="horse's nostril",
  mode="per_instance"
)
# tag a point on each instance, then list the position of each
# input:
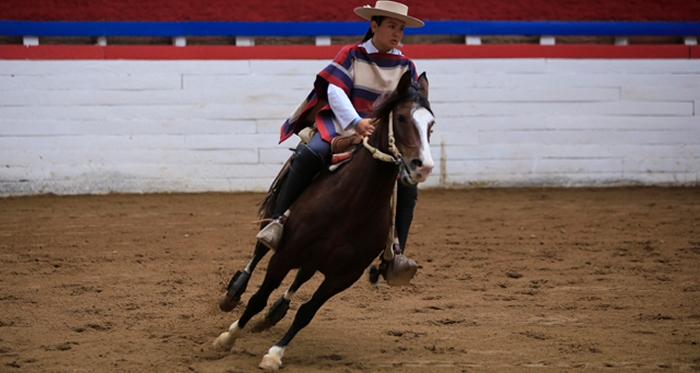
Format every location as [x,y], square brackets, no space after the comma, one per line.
[416,163]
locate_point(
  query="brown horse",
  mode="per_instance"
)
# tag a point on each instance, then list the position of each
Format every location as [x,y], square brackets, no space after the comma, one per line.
[341,222]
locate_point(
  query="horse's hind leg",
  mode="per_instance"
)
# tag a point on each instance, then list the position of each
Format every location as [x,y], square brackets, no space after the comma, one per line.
[273,279]
[330,287]
[278,310]
[239,282]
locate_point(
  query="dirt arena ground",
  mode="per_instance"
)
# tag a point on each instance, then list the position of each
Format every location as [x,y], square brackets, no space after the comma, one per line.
[511,280]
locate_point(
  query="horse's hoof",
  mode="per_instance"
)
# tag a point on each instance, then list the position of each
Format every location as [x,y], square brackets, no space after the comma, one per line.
[270,362]
[220,342]
[227,304]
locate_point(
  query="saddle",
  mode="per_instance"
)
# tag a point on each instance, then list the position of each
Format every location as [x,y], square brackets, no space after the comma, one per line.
[342,148]
[342,144]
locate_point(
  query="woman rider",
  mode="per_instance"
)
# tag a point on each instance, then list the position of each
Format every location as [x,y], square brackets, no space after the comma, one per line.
[341,104]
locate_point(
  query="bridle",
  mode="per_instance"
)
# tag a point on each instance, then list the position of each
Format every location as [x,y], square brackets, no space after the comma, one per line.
[395,157]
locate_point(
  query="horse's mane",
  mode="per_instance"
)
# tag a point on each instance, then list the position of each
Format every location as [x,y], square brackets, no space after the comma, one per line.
[388,101]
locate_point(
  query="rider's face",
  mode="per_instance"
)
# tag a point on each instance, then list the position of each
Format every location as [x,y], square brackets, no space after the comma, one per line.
[388,35]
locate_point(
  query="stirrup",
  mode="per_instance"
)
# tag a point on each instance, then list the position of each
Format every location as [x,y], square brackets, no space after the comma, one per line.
[271,235]
[400,270]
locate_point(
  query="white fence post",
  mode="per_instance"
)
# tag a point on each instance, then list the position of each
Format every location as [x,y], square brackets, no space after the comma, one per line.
[30,41]
[180,41]
[547,40]
[472,40]
[245,41]
[323,40]
[622,40]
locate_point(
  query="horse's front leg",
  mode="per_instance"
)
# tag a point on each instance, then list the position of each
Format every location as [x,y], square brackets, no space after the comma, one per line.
[329,287]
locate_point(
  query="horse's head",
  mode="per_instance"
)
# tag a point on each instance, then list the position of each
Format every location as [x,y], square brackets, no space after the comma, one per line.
[408,131]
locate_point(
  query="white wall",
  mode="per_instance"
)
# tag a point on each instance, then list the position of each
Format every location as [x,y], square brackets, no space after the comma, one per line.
[75,127]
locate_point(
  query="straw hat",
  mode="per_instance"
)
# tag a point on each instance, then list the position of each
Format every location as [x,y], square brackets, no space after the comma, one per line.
[389,9]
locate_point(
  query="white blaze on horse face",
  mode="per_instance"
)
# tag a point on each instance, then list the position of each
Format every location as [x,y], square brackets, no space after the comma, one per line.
[424,121]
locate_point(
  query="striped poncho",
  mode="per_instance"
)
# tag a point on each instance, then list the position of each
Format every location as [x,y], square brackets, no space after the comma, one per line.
[363,73]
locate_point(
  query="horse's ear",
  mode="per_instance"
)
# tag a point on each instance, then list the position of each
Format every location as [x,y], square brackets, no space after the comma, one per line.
[423,83]
[404,83]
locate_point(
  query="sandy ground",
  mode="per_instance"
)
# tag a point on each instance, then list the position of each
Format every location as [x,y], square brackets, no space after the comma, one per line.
[511,280]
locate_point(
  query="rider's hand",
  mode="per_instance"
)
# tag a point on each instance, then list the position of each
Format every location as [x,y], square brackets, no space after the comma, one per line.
[364,127]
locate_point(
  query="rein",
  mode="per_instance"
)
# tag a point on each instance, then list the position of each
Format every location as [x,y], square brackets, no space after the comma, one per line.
[396,159]
[378,154]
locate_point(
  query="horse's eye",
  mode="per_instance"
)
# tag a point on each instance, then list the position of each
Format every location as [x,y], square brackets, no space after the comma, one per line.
[430,131]
[401,118]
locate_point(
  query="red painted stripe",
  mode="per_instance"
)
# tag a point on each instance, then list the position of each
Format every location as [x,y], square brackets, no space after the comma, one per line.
[695,51]
[51,52]
[547,51]
[291,52]
[280,52]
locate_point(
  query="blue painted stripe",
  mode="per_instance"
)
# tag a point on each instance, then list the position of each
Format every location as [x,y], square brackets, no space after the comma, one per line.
[21,28]
[562,28]
[554,28]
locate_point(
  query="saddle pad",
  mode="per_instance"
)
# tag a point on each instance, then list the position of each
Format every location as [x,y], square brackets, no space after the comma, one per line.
[340,159]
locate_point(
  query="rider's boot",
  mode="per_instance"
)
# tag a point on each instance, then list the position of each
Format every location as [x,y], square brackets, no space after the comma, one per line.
[304,167]
[406,198]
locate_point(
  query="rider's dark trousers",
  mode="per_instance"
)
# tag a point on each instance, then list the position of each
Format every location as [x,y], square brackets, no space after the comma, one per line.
[307,161]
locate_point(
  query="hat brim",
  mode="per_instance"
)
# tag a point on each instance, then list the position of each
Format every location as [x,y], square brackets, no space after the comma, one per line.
[367,13]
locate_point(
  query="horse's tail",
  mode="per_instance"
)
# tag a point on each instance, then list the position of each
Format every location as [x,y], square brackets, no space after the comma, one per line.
[268,203]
